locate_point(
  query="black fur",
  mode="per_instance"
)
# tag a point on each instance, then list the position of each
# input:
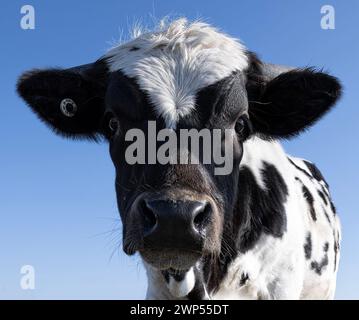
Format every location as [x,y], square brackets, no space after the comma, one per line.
[166,275]
[315,172]
[325,191]
[336,248]
[223,101]
[43,90]
[321,194]
[300,169]
[243,280]
[332,206]
[308,246]
[260,211]
[318,266]
[309,197]
[291,102]
[310,200]
[326,247]
[326,215]
[125,99]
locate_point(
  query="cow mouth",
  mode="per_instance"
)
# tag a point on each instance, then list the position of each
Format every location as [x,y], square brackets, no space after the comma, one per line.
[169,259]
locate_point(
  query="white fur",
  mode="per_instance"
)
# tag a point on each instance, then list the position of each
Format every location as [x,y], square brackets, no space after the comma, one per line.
[175,61]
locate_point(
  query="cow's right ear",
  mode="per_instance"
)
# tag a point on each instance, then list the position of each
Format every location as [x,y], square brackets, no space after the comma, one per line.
[70,101]
[283,101]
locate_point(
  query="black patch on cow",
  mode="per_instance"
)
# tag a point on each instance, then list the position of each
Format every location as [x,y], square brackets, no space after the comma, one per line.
[299,168]
[315,172]
[166,275]
[318,266]
[310,200]
[326,215]
[324,190]
[260,211]
[336,249]
[326,247]
[324,195]
[126,100]
[321,194]
[332,206]
[244,278]
[257,212]
[197,292]
[223,101]
[308,246]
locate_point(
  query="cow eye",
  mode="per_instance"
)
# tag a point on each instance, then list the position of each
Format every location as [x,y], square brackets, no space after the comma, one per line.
[243,127]
[240,125]
[113,125]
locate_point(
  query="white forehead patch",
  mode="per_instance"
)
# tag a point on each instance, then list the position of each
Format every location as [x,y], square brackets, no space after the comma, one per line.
[174,62]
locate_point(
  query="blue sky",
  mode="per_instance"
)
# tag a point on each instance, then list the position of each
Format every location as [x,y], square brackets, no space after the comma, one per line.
[57,199]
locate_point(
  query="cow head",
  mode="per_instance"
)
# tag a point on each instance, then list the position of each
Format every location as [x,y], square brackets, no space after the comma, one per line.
[184,76]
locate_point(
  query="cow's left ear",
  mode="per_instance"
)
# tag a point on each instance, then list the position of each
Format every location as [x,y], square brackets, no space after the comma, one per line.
[287,104]
[69,101]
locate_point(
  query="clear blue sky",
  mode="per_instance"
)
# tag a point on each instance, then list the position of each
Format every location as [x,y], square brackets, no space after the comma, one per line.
[57,198]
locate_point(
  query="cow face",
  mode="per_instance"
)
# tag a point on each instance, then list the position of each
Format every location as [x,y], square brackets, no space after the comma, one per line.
[184,77]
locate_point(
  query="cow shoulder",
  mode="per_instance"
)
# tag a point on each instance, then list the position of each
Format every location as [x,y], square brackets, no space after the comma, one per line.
[322,229]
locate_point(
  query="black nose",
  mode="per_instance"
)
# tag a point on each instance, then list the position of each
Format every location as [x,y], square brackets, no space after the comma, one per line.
[175,224]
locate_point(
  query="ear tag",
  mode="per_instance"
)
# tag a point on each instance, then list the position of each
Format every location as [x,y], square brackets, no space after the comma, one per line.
[68,107]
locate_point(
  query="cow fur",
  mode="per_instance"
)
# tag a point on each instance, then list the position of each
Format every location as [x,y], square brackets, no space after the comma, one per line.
[300,264]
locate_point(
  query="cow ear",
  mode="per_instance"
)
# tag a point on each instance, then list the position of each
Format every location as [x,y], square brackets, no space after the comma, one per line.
[69,101]
[289,103]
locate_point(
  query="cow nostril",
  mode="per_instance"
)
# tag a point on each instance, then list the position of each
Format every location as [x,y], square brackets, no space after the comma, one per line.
[149,217]
[202,216]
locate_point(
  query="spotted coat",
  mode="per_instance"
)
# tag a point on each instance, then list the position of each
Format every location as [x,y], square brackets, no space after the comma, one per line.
[300,262]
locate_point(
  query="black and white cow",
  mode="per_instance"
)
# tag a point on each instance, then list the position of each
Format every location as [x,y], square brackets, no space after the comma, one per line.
[268,230]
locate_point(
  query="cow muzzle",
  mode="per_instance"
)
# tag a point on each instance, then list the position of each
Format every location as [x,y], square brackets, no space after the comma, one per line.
[173,232]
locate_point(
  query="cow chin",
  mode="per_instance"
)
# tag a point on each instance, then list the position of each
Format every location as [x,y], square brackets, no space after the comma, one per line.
[170,258]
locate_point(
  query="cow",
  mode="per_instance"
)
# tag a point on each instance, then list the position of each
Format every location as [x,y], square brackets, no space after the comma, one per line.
[266,230]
